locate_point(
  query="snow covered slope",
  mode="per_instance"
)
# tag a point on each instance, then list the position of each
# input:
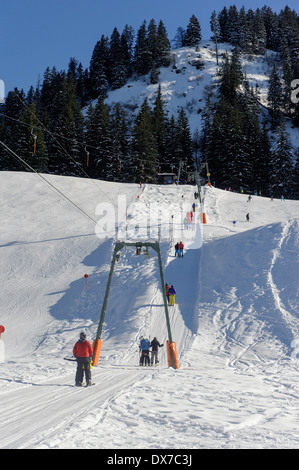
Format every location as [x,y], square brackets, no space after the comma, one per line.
[183,84]
[235,322]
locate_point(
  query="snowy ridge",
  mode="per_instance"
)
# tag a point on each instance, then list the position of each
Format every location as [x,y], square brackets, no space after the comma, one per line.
[183,84]
[235,321]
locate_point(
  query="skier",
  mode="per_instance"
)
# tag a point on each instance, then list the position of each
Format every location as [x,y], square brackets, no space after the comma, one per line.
[181,249]
[144,349]
[172,293]
[167,291]
[155,345]
[83,353]
[176,247]
[247,217]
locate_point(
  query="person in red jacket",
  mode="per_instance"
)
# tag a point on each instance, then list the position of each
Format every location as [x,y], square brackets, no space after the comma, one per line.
[181,249]
[83,353]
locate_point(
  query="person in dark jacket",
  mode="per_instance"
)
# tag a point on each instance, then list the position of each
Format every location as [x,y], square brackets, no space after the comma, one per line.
[155,345]
[83,353]
[172,293]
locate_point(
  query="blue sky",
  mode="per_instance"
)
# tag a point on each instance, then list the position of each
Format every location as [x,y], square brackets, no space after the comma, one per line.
[39,33]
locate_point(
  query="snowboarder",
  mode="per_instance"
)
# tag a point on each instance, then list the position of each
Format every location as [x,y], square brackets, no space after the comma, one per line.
[247,217]
[167,291]
[181,249]
[155,345]
[83,353]
[144,350]
[172,293]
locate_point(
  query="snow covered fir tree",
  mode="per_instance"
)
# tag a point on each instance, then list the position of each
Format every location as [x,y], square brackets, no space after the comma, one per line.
[70,125]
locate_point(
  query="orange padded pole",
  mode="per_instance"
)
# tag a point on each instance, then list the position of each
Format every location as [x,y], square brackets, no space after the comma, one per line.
[97,344]
[172,352]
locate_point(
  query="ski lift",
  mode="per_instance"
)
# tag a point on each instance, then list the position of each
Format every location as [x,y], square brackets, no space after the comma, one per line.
[35,139]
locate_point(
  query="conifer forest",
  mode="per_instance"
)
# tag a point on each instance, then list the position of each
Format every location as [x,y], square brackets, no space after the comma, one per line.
[64,126]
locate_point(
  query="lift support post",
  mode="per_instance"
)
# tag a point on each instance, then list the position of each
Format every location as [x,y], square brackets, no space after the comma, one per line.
[172,354]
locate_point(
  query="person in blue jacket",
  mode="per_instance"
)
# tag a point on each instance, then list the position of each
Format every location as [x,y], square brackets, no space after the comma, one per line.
[172,293]
[144,350]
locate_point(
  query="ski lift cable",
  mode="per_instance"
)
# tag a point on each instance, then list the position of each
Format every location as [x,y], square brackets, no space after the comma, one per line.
[83,144]
[26,165]
[59,144]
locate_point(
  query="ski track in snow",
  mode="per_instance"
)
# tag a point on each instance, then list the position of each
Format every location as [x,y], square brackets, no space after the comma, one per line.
[234,321]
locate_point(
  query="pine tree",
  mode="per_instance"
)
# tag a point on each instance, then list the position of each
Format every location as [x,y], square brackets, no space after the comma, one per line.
[144,146]
[184,151]
[171,161]
[118,66]
[99,142]
[142,55]
[127,45]
[11,128]
[193,33]
[159,117]
[120,142]
[207,127]
[164,57]
[223,23]
[65,147]
[233,25]
[275,98]
[98,69]
[287,77]
[281,164]
[260,33]
[231,75]
[152,43]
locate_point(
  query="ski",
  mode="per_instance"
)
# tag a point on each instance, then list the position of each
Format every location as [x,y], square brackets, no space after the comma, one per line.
[84,386]
[72,359]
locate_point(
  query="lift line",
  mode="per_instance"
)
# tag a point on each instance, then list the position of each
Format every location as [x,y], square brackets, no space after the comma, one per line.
[171,346]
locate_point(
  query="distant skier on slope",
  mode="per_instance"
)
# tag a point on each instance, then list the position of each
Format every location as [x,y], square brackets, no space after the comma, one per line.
[172,293]
[144,350]
[83,352]
[155,345]
[181,249]
[167,291]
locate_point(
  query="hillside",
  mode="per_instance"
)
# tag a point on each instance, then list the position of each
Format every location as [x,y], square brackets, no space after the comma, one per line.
[235,321]
[184,85]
